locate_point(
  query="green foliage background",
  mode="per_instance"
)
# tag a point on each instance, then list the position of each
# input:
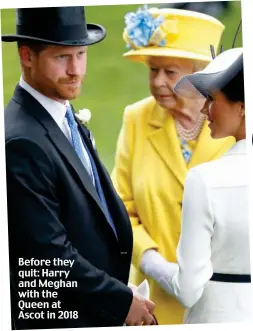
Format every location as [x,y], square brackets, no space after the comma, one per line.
[112,82]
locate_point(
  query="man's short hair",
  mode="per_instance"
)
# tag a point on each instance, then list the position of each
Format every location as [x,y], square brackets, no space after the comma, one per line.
[35,46]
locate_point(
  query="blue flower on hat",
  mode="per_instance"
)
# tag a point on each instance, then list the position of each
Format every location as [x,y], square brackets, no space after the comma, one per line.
[140,27]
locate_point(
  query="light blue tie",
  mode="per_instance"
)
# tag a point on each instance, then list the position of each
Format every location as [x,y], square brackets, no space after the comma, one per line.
[76,141]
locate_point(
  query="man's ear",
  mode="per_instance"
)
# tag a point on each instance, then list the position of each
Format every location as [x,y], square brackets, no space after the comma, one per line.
[26,54]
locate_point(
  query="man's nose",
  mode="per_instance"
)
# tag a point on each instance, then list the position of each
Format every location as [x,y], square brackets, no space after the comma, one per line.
[74,66]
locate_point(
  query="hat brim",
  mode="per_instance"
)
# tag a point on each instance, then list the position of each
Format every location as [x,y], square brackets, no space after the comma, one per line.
[205,83]
[96,33]
[199,85]
[142,54]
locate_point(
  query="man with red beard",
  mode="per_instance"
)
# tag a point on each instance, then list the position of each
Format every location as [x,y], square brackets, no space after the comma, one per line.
[62,207]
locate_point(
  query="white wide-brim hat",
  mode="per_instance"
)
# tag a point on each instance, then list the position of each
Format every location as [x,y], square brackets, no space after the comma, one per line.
[224,68]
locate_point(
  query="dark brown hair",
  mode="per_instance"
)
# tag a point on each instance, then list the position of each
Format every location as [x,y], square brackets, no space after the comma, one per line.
[35,46]
[234,90]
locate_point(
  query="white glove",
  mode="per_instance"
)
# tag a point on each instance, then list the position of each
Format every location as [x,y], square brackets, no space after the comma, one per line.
[159,269]
[132,287]
[143,289]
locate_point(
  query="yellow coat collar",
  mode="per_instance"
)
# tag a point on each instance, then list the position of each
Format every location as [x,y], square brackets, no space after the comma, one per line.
[163,137]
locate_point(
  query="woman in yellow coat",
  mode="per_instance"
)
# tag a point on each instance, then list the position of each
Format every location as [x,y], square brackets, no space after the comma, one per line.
[162,137]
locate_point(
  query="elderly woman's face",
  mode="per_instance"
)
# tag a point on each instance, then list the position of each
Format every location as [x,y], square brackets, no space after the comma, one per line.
[224,116]
[164,74]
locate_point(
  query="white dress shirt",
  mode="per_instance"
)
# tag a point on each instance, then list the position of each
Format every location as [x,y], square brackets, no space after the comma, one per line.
[214,238]
[57,111]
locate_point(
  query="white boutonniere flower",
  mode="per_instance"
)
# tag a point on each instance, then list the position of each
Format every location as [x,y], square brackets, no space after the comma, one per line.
[84,115]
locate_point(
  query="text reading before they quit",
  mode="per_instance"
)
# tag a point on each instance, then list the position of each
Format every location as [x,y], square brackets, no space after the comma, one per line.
[40,282]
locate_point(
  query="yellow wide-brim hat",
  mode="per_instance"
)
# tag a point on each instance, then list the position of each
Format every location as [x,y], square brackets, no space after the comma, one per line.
[171,33]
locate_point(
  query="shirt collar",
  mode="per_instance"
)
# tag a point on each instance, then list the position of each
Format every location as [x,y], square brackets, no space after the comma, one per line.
[56,109]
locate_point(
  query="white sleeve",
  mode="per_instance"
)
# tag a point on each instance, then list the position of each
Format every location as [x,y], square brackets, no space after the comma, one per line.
[194,248]
[158,268]
[186,280]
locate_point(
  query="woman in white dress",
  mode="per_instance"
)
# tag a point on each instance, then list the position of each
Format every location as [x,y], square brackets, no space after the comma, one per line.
[212,277]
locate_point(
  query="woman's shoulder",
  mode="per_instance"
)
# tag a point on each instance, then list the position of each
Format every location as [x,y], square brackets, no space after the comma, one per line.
[221,172]
[206,169]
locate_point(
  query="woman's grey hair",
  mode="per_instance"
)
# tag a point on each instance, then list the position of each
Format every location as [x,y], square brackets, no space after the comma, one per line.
[197,65]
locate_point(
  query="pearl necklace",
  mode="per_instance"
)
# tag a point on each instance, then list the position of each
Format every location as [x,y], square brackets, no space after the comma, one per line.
[194,132]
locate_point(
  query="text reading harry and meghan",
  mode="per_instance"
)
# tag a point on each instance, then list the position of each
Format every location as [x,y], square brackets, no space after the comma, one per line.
[38,286]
